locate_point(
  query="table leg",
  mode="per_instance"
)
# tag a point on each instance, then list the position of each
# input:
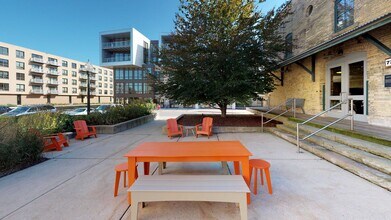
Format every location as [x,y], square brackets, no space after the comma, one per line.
[237,169]
[146,168]
[246,175]
[131,175]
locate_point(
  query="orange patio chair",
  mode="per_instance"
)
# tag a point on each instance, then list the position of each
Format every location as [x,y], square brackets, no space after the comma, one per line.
[173,129]
[55,141]
[83,131]
[205,128]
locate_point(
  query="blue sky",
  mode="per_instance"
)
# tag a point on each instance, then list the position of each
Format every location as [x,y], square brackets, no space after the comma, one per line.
[70,28]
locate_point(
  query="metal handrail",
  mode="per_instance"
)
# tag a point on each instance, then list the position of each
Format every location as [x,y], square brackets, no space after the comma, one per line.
[351,114]
[278,106]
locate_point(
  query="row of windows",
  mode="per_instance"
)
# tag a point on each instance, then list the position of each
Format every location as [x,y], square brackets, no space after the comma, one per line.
[129,88]
[5,75]
[129,74]
[19,87]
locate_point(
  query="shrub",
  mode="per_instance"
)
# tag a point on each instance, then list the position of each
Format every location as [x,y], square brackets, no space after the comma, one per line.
[18,146]
[46,122]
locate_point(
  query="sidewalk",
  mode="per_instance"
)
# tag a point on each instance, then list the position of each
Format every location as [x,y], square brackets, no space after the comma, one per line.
[77,183]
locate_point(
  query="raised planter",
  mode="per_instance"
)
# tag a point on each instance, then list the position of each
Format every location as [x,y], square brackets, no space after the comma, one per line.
[123,126]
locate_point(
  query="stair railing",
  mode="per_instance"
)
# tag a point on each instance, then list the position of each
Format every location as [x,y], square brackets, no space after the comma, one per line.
[350,114]
[293,107]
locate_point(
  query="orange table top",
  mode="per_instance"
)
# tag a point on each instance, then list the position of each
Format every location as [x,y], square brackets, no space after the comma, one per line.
[189,149]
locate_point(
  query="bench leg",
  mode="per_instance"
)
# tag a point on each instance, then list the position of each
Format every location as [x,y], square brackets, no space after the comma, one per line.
[243,207]
[134,210]
[224,164]
[160,169]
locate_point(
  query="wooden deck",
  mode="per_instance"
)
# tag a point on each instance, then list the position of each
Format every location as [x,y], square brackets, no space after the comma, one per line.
[359,127]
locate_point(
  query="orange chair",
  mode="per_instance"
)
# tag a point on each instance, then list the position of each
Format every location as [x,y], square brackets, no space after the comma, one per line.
[123,167]
[261,165]
[83,131]
[206,127]
[55,142]
[173,129]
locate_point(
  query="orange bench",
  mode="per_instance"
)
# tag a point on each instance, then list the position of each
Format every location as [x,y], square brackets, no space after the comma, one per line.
[83,131]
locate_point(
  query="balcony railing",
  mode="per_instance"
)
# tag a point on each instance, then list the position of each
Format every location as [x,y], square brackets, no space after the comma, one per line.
[83,93]
[36,80]
[82,84]
[37,60]
[84,69]
[116,59]
[52,91]
[53,63]
[36,91]
[36,70]
[52,82]
[51,72]
[82,76]
[117,44]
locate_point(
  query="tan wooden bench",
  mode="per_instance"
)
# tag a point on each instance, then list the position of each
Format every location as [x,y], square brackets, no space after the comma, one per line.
[212,188]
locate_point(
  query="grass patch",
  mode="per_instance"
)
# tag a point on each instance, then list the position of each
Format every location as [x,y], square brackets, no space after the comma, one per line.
[347,133]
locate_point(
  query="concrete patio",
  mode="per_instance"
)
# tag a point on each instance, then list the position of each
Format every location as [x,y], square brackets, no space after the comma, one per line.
[77,183]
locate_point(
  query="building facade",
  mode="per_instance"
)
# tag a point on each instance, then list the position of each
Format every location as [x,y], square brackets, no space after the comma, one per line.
[132,57]
[34,77]
[338,51]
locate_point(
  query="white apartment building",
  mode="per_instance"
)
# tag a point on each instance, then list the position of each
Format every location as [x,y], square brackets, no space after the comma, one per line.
[34,77]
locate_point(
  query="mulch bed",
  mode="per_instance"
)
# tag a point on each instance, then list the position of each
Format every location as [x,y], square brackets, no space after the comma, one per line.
[21,167]
[230,120]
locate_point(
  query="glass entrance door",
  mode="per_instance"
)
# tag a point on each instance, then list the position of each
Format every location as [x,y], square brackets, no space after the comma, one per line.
[346,80]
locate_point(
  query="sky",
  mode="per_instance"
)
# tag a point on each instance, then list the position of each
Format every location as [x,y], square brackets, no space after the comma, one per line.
[70,28]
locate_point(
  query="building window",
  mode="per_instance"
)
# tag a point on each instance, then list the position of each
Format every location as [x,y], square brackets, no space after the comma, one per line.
[36,56]
[19,54]
[4,62]
[138,74]
[4,51]
[111,93]
[119,74]
[138,88]
[145,52]
[105,72]
[105,92]
[99,70]
[100,92]
[65,81]
[119,88]
[111,86]
[100,85]
[65,90]
[4,75]
[74,82]
[65,72]
[4,87]
[65,63]
[100,77]
[20,76]
[288,46]
[344,14]
[105,85]
[74,90]
[20,87]
[74,65]
[105,79]
[74,73]
[19,65]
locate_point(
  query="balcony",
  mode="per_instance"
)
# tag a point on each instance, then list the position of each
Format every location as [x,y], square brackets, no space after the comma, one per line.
[83,76]
[52,82]
[36,70]
[116,59]
[36,81]
[83,85]
[53,63]
[83,93]
[52,92]
[83,69]
[117,44]
[37,60]
[36,91]
[53,72]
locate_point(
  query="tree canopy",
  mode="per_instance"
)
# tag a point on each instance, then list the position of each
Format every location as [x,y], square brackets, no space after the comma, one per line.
[222,51]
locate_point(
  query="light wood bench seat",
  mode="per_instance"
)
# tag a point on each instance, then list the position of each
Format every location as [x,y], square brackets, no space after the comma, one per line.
[212,188]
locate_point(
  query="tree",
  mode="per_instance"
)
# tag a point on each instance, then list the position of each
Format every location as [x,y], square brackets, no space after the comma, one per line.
[222,51]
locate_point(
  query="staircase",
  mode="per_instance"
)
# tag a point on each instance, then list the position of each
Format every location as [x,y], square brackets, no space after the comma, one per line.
[366,159]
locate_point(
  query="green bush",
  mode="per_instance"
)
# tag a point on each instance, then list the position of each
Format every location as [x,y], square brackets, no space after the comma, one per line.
[18,146]
[46,122]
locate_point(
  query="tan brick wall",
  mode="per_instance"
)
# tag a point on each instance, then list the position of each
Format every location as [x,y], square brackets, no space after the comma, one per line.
[298,83]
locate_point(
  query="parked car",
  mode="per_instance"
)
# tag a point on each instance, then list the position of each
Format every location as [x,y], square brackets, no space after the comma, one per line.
[27,110]
[4,109]
[78,111]
[104,108]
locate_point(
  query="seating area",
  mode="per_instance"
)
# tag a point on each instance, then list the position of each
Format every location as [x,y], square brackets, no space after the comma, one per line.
[299,185]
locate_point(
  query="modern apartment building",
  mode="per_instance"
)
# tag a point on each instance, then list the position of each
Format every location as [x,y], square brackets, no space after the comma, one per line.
[132,56]
[336,55]
[34,77]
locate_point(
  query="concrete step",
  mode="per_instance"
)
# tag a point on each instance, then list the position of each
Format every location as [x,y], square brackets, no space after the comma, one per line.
[379,163]
[364,171]
[370,147]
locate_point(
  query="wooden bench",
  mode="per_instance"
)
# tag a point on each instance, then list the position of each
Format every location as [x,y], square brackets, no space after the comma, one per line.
[213,188]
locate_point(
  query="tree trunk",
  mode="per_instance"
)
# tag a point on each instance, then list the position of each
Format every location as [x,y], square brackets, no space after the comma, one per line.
[223,109]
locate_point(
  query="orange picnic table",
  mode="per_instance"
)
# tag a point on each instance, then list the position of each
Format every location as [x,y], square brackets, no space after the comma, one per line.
[208,151]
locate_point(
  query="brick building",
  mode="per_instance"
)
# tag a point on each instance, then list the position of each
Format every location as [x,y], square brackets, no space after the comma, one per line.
[339,52]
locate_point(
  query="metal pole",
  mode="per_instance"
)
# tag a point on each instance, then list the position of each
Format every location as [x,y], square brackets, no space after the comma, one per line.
[297,138]
[294,107]
[351,115]
[262,122]
[88,92]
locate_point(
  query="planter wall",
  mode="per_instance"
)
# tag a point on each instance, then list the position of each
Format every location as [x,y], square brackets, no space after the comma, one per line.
[123,126]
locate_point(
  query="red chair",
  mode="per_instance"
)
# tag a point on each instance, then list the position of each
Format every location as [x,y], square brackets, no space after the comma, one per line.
[121,168]
[173,129]
[261,165]
[205,128]
[83,131]
[55,142]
